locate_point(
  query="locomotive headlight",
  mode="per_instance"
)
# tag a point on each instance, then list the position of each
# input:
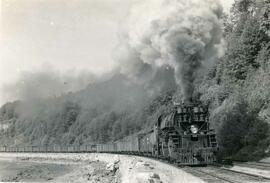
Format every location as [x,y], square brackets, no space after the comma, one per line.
[194,129]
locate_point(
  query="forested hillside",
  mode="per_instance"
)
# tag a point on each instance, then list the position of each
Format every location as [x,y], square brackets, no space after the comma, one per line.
[102,112]
[236,88]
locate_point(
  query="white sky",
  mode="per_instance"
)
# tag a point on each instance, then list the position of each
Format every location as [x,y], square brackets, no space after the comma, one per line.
[62,34]
[227,4]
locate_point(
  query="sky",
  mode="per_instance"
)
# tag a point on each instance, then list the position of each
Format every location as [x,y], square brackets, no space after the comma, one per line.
[67,36]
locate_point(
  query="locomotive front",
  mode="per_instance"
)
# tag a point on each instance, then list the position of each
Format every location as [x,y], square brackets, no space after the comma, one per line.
[184,136]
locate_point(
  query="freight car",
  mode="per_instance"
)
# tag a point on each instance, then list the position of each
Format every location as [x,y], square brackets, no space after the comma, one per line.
[51,149]
[128,145]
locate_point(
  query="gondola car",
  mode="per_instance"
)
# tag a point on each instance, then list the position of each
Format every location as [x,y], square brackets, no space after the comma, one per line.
[147,143]
[109,148]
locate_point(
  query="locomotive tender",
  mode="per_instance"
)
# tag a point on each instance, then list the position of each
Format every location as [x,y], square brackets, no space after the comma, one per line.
[183,136]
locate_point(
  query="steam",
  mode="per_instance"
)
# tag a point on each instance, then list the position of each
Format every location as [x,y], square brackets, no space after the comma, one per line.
[185,35]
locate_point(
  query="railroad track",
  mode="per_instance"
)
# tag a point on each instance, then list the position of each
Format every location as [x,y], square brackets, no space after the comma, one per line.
[256,165]
[213,174]
[208,177]
[252,176]
[216,174]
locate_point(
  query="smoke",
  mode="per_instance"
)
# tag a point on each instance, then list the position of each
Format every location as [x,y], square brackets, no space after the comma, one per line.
[182,34]
[46,84]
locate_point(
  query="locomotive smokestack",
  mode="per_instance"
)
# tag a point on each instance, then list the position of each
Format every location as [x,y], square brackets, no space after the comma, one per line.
[187,100]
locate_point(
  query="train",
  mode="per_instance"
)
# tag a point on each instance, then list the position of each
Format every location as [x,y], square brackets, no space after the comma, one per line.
[182,136]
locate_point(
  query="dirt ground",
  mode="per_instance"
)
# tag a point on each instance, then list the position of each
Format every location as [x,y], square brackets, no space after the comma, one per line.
[12,171]
[55,169]
[87,167]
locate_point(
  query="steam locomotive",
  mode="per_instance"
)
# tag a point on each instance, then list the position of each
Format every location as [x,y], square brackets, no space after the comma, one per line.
[183,136]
